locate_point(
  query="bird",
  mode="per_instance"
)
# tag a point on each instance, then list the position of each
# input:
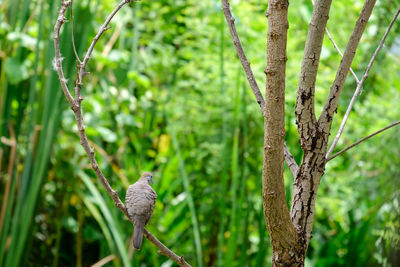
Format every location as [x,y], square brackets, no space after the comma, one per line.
[140,200]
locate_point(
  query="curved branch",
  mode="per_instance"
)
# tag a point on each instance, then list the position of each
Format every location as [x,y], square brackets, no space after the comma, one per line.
[250,76]
[76,107]
[242,56]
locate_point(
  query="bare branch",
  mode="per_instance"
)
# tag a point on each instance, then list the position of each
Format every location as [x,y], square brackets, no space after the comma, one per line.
[325,120]
[305,113]
[102,29]
[57,63]
[243,59]
[360,84]
[72,33]
[363,139]
[249,73]
[338,49]
[340,53]
[75,105]
[294,168]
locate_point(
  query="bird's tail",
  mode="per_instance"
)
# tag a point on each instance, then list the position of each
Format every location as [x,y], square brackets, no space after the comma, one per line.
[138,235]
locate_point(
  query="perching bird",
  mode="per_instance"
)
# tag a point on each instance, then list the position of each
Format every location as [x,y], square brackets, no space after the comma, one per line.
[140,199]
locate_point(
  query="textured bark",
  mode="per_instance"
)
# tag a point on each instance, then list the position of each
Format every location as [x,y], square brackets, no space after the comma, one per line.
[283,234]
[314,135]
[291,231]
[305,189]
[305,114]
[250,76]
[312,168]
[325,120]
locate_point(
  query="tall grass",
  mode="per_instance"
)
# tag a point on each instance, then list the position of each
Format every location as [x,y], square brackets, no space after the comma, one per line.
[166,94]
[36,118]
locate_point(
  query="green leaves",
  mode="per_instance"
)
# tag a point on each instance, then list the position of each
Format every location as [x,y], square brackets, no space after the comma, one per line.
[167,94]
[16,71]
[107,134]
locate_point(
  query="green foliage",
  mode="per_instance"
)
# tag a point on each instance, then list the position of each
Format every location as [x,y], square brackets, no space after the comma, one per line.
[167,94]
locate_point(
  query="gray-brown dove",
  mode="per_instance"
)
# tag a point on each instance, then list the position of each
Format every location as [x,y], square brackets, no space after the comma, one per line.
[140,199]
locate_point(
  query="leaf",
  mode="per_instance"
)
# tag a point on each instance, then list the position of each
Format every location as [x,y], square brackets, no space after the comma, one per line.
[125,119]
[15,70]
[107,134]
[24,39]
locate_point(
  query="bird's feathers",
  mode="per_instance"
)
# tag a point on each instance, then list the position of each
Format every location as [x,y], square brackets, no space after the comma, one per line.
[140,200]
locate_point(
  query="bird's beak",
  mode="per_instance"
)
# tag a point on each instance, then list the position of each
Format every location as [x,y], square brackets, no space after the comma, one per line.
[151,179]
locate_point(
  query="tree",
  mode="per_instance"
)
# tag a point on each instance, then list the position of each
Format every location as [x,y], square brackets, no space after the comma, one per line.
[290,231]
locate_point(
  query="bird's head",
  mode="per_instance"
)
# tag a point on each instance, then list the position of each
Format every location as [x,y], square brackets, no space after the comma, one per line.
[147,176]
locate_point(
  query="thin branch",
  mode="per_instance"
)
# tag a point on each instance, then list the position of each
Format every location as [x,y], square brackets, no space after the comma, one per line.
[340,53]
[360,84]
[72,33]
[57,63]
[75,105]
[242,56]
[249,73]
[338,49]
[305,110]
[294,168]
[82,66]
[362,140]
[325,120]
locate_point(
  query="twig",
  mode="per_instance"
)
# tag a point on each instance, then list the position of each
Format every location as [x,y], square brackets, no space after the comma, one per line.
[57,63]
[338,49]
[294,168]
[82,66]
[109,159]
[249,73]
[243,59]
[72,34]
[325,120]
[76,107]
[360,84]
[362,140]
[340,53]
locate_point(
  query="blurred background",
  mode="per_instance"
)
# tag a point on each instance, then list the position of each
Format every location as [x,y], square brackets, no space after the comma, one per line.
[167,94]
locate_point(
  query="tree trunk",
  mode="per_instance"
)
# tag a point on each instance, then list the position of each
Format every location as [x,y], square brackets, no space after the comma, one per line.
[284,238]
[291,231]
